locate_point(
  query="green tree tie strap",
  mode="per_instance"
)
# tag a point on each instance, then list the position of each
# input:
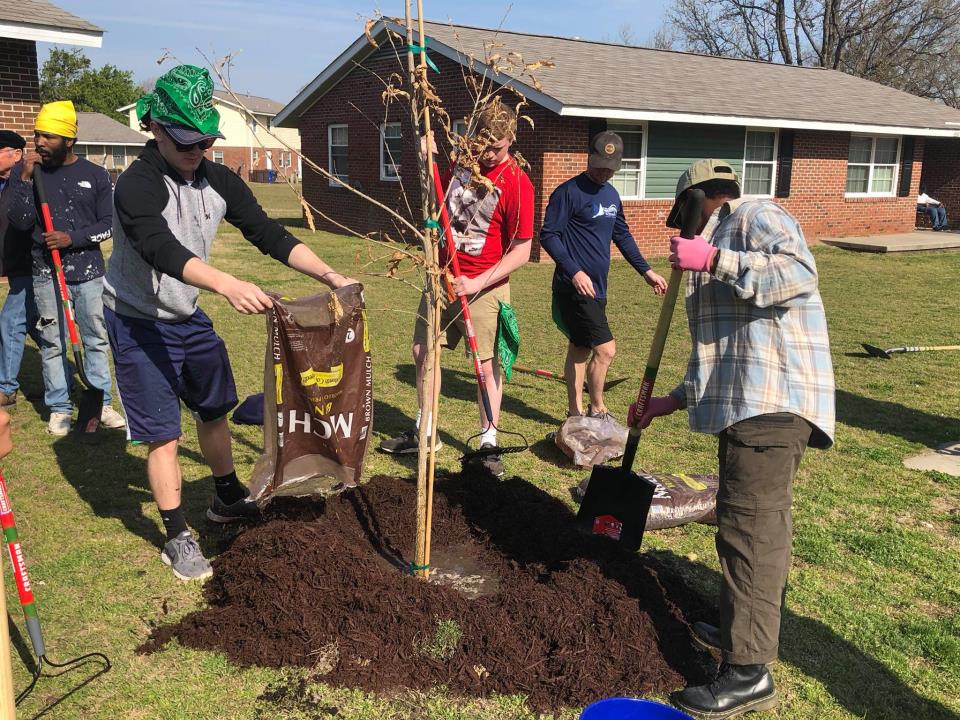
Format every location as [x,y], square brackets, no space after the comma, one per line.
[422,49]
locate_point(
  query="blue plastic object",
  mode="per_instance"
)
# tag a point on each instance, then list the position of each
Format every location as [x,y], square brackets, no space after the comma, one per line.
[622,708]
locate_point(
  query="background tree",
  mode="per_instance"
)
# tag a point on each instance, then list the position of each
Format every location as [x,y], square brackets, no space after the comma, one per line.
[70,75]
[907,44]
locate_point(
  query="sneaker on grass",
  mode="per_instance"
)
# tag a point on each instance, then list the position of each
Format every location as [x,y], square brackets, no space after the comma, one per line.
[243,509]
[492,463]
[110,418]
[405,443]
[59,424]
[184,557]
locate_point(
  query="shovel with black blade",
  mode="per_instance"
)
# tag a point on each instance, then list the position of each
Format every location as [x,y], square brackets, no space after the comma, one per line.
[91,398]
[617,499]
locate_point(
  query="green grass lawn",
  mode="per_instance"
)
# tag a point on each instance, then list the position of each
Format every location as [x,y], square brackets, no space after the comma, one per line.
[872,628]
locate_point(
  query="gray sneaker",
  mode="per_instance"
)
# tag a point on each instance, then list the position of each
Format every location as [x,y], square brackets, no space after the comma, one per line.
[492,462]
[221,512]
[184,557]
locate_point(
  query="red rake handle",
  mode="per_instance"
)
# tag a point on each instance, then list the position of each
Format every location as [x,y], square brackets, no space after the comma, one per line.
[464,305]
[24,588]
[57,265]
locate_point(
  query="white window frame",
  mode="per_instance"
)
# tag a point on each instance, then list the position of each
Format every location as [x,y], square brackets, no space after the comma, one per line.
[619,128]
[384,156]
[459,127]
[872,165]
[333,182]
[215,153]
[772,163]
[119,150]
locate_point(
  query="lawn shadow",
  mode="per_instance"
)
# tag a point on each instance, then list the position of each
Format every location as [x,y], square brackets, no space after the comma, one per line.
[463,386]
[531,527]
[895,419]
[863,685]
[113,482]
[390,421]
[546,450]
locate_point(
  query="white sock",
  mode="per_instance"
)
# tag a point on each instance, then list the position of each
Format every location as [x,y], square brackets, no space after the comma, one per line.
[429,423]
[488,436]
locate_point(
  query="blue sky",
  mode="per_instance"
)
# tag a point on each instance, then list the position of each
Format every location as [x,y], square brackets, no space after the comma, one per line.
[281,45]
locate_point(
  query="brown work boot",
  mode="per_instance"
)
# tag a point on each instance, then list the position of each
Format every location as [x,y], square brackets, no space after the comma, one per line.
[7,400]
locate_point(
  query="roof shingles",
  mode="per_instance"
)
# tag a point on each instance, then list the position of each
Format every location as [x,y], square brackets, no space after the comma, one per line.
[43,14]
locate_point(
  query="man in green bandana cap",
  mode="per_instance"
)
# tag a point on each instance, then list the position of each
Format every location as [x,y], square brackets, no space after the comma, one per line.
[168,206]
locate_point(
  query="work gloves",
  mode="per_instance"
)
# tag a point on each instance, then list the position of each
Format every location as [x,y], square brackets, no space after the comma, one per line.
[656,407]
[696,255]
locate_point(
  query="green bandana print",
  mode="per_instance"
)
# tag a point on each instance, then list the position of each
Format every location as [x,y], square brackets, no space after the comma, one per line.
[184,96]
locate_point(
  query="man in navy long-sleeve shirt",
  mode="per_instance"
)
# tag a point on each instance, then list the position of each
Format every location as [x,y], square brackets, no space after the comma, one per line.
[81,205]
[583,217]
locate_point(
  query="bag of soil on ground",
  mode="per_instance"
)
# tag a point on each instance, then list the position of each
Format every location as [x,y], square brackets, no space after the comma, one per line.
[677,499]
[318,395]
[591,441]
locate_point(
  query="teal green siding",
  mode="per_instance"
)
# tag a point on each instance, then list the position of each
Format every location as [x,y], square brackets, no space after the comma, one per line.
[672,147]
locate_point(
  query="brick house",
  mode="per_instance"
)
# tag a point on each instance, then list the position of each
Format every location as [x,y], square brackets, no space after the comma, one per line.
[246,147]
[24,23]
[844,155]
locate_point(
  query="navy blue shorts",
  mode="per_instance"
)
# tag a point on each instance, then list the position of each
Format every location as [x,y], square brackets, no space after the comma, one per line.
[158,364]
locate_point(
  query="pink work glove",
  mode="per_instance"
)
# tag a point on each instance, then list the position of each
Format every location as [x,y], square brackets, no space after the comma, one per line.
[696,254]
[656,407]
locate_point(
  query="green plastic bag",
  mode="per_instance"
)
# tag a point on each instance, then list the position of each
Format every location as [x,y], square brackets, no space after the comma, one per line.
[558,319]
[508,339]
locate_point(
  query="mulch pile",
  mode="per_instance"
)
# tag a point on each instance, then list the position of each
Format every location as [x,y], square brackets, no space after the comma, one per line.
[574,618]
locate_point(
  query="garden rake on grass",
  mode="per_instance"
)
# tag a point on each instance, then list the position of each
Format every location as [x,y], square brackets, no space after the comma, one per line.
[885,354]
[447,241]
[27,602]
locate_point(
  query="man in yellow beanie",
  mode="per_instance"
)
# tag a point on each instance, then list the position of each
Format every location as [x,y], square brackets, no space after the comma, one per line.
[81,204]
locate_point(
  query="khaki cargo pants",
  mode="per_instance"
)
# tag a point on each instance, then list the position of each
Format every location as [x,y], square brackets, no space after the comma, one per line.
[758,461]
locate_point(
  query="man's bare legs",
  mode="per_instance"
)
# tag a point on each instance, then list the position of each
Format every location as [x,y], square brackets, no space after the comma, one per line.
[574,370]
[597,374]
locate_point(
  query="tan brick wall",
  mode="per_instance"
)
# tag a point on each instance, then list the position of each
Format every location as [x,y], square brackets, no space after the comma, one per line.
[19,86]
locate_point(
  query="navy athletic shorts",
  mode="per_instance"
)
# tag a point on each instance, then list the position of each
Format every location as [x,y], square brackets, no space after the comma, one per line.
[581,318]
[159,363]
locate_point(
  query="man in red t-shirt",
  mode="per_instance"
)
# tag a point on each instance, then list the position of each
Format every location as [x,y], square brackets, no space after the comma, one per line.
[493,231]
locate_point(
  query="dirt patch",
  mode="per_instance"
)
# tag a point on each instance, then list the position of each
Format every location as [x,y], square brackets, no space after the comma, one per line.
[573,618]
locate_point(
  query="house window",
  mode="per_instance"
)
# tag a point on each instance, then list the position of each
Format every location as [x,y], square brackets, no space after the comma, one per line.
[759,156]
[256,156]
[218,156]
[628,180]
[872,164]
[119,157]
[337,142]
[80,150]
[391,148]
[459,127]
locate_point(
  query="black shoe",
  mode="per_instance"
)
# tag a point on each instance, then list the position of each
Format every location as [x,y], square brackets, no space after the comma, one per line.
[405,443]
[706,636]
[738,689]
[244,510]
[492,463]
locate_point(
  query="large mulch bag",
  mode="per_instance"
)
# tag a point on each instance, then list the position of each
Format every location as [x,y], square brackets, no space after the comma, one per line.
[681,499]
[677,500]
[591,441]
[318,396]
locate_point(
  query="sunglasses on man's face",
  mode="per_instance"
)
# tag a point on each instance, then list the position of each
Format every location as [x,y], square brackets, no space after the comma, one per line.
[202,144]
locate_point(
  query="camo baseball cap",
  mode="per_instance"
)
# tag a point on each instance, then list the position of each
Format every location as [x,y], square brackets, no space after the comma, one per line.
[182,102]
[700,172]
